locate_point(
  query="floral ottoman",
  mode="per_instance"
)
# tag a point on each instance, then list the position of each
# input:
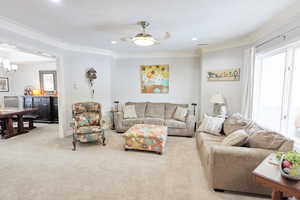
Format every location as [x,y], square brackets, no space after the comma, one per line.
[146,137]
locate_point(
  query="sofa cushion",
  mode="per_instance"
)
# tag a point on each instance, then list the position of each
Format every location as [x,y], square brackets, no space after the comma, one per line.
[212,125]
[171,123]
[154,121]
[235,122]
[88,129]
[171,108]
[180,114]
[266,140]
[129,112]
[131,122]
[155,110]
[237,138]
[140,108]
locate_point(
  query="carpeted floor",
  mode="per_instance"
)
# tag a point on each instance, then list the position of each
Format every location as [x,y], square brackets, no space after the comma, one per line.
[40,166]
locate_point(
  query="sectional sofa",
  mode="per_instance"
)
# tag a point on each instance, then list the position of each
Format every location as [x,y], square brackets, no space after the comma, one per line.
[230,167]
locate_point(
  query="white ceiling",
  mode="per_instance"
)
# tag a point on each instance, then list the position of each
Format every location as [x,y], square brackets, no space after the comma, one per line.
[95,23]
[18,56]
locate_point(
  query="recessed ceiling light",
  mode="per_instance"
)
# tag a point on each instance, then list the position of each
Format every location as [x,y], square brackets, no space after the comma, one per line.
[56,1]
[114,42]
[194,39]
[202,44]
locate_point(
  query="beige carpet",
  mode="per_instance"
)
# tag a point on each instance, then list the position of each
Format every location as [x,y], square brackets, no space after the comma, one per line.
[39,166]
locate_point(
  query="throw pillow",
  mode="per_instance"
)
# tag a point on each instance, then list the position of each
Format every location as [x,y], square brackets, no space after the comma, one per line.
[235,122]
[237,138]
[129,112]
[266,140]
[212,125]
[180,114]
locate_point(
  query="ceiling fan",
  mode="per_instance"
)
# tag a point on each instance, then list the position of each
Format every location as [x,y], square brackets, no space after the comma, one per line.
[145,39]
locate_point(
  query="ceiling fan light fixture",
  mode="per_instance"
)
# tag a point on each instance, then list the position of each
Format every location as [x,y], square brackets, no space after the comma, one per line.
[143,41]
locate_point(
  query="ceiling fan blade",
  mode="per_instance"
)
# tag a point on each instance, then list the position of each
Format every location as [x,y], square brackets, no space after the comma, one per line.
[126,39]
[167,36]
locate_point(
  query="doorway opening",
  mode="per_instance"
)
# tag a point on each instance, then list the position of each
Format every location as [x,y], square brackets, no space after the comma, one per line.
[28,85]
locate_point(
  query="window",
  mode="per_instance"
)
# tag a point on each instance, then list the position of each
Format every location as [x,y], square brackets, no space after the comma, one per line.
[277,91]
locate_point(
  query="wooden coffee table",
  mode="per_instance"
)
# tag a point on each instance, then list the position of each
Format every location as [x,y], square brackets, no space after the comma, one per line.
[268,174]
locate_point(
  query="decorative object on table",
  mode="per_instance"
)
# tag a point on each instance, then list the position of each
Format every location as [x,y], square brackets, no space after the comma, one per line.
[155,79]
[116,106]
[219,105]
[289,165]
[91,75]
[4,84]
[48,82]
[28,90]
[38,93]
[224,75]
[87,123]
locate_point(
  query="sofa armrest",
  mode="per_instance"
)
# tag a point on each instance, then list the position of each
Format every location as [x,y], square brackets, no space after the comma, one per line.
[118,119]
[239,163]
[190,123]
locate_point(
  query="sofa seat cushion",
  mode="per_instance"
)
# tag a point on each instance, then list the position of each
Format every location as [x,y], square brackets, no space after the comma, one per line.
[171,123]
[154,121]
[140,108]
[155,110]
[131,122]
[88,129]
[211,138]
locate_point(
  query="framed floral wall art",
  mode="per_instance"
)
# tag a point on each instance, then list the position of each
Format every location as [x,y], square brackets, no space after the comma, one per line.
[155,79]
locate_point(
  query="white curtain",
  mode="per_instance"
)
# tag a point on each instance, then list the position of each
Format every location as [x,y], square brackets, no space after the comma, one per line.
[248,82]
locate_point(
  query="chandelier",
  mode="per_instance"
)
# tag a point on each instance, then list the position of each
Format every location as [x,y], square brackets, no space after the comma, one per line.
[8,66]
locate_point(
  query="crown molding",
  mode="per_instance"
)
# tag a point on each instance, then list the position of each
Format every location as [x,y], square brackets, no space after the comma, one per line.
[160,55]
[25,31]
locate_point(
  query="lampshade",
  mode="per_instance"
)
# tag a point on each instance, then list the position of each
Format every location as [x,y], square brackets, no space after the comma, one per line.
[218,99]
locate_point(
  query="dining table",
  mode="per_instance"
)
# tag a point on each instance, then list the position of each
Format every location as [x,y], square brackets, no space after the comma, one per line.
[8,115]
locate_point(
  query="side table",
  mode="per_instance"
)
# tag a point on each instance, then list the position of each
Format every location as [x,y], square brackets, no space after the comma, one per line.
[267,173]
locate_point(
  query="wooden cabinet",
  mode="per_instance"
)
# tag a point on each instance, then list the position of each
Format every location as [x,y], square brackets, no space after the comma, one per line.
[47,105]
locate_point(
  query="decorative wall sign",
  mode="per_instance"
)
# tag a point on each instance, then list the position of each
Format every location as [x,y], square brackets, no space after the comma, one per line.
[155,79]
[224,75]
[4,85]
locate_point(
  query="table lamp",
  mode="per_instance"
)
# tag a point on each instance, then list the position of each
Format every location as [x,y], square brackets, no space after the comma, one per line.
[219,104]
